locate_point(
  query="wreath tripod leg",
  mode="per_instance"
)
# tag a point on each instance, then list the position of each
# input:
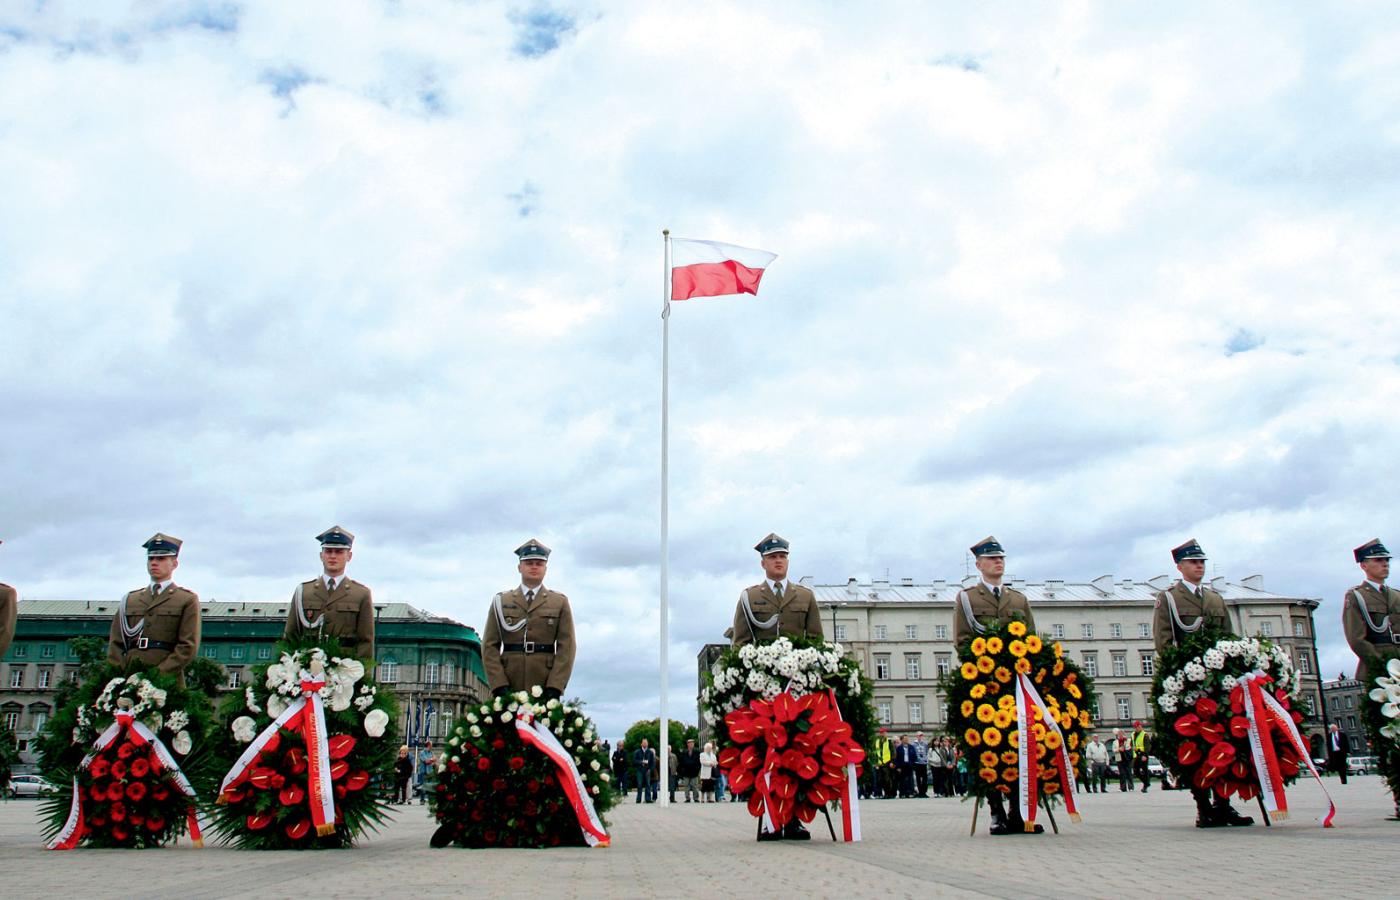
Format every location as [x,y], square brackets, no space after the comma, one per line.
[1262,811]
[829,827]
[1045,802]
[975,808]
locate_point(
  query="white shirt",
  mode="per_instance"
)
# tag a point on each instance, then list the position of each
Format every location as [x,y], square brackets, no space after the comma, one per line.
[331,581]
[776,586]
[1374,585]
[525,591]
[1193,588]
[994,588]
[160,586]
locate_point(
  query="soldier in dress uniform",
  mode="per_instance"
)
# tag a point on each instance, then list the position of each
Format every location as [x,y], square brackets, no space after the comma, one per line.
[157,625]
[9,611]
[529,635]
[1185,608]
[333,603]
[775,606]
[771,608]
[1371,610]
[991,603]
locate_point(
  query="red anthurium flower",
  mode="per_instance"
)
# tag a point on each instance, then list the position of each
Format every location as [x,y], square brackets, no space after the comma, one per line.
[272,744]
[817,794]
[1189,753]
[296,760]
[1206,708]
[338,769]
[1289,767]
[140,768]
[340,791]
[784,709]
[291,795]
[741,780]
[230,796]
[804,744]
[729,757]
[1296,716]
[806,812]
[261,777]
[259,821]
[1237,699]
[1222,754]
[1239,726]
[1239,769]
[298,829]
[1212,732]
[762,708]
[340,746]
[357,780]
[279,779]
[783,786]
[1247,791]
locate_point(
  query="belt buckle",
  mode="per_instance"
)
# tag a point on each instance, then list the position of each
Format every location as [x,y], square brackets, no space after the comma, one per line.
[529,646]
[142,643]
[1394,638]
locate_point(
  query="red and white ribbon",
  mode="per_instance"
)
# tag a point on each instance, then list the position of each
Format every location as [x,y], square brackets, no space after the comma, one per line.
[306,714]
[850,793]
[542,739]
[1265,712]
[74,828]
[1026,698]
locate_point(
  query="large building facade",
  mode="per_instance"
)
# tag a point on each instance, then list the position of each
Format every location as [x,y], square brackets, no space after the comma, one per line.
[432,662]
[902,634]
[1346,699]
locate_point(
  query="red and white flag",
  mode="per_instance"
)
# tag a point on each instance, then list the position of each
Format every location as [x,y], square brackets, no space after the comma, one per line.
[712,269]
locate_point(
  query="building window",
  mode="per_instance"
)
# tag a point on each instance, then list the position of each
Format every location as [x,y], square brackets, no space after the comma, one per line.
[916,712]
[209,651]
[41,718]
[46,651]
[73,675]
[1351,723]
[884,709]
[1120,665]
[940,632]
[264,653]
[1057,632]
[1266,629]
[911,666]
[1115,630]
[880,632]
[447,719]
[1091,664]
[1148,664]
[840,632]
[944,663]
[1125,707]
[1308,702]
[1298,630]
[1087,629]
[44,676]
[882,668]
[1304,662]
[447,673]
[16,678]
[12,721]
[235,652]
[1144,630]
[432,673]
[911,632]
[389,671]
[233,676]
[20,651]
[1349,700]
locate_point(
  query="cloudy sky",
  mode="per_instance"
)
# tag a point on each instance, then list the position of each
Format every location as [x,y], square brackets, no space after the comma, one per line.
[1092,279]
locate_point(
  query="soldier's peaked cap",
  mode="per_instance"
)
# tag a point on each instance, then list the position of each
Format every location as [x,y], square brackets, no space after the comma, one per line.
[772,544]
[988,546]
[532,549]
[1188,550]
[162,545]
[335,536]
[1372,549]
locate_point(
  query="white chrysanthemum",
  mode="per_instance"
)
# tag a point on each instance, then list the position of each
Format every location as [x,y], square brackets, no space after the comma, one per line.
[244,729]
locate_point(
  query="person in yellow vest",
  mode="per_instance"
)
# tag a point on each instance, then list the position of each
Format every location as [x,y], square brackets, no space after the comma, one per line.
[989,602]
[159,624]
[1140,752]
[1185,608]
[1371,609]
[9,612]
[333,603]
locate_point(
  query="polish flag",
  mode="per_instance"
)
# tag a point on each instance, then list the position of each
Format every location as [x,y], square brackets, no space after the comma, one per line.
[712,269]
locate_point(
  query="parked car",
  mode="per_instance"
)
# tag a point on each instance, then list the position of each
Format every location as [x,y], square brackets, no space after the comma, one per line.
[1155,769]
[1361,765]
[30,786]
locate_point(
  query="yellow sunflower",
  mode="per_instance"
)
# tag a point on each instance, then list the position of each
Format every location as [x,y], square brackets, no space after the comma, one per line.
[1033,643]
[988,759]
[1040,676]
[1017,648]
[1009,757]
[1013,738]
[1074,759]
[985,713]
[1074,691]
[1006,702]
[1004,717]
[987,775]
[971,737]
[1059,650]
[1023,666]
[969,671]
[1059,667]
[1071,678]
[1010,773]
[1052,740]
[979,646]
[978,692]
[1072,740]
[1084,719]
[1003,674]
[967,707]
[986,664]
[993,687]
[1017,629]
[991,736]
[1051,787]
[1071,710]
[994,645]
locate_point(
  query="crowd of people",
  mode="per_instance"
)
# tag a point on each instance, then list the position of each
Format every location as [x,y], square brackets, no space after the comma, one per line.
[694,772]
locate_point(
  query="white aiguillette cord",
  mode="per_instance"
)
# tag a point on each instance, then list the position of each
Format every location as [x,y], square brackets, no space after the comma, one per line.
[501,619]
[128,631]
[301,612]
[754,623]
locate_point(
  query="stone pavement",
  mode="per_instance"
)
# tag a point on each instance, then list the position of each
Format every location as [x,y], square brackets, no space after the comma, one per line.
[1128,845]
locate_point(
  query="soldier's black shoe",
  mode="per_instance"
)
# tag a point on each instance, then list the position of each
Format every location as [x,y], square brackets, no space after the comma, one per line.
[794,831]
[1208,821]
[770,835]
[1230,817]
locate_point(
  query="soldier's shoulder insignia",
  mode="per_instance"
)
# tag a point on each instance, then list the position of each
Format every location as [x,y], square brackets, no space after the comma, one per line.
[1157,602]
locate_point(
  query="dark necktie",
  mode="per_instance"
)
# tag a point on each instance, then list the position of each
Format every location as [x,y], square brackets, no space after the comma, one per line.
[778,591]
[530,596]
[330,585]
[996,592]
[155,591]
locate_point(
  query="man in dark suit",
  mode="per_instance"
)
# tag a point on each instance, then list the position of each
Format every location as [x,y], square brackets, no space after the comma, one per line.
[1338,749]
[904,766]
[644,764]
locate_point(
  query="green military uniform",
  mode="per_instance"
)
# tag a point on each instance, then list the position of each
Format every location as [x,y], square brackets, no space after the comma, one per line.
[983,604]
[762,614]
[340,607]
[157,625]
[529,635]
[1371,614]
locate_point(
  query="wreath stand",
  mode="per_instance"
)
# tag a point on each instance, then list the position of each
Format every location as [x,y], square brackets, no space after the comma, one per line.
[825,813]
[1044,803]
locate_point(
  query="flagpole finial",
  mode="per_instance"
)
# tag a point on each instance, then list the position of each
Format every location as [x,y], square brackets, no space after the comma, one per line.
[665,232]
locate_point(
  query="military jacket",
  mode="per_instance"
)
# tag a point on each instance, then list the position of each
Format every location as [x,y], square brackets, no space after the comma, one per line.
[349,614]
[1376,627]
[169,637]
[539,652]
[986,607]
[797,614]
[9,611]
[1168,631]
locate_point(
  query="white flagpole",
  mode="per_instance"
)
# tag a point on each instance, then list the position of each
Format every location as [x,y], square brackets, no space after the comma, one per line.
[665,742]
